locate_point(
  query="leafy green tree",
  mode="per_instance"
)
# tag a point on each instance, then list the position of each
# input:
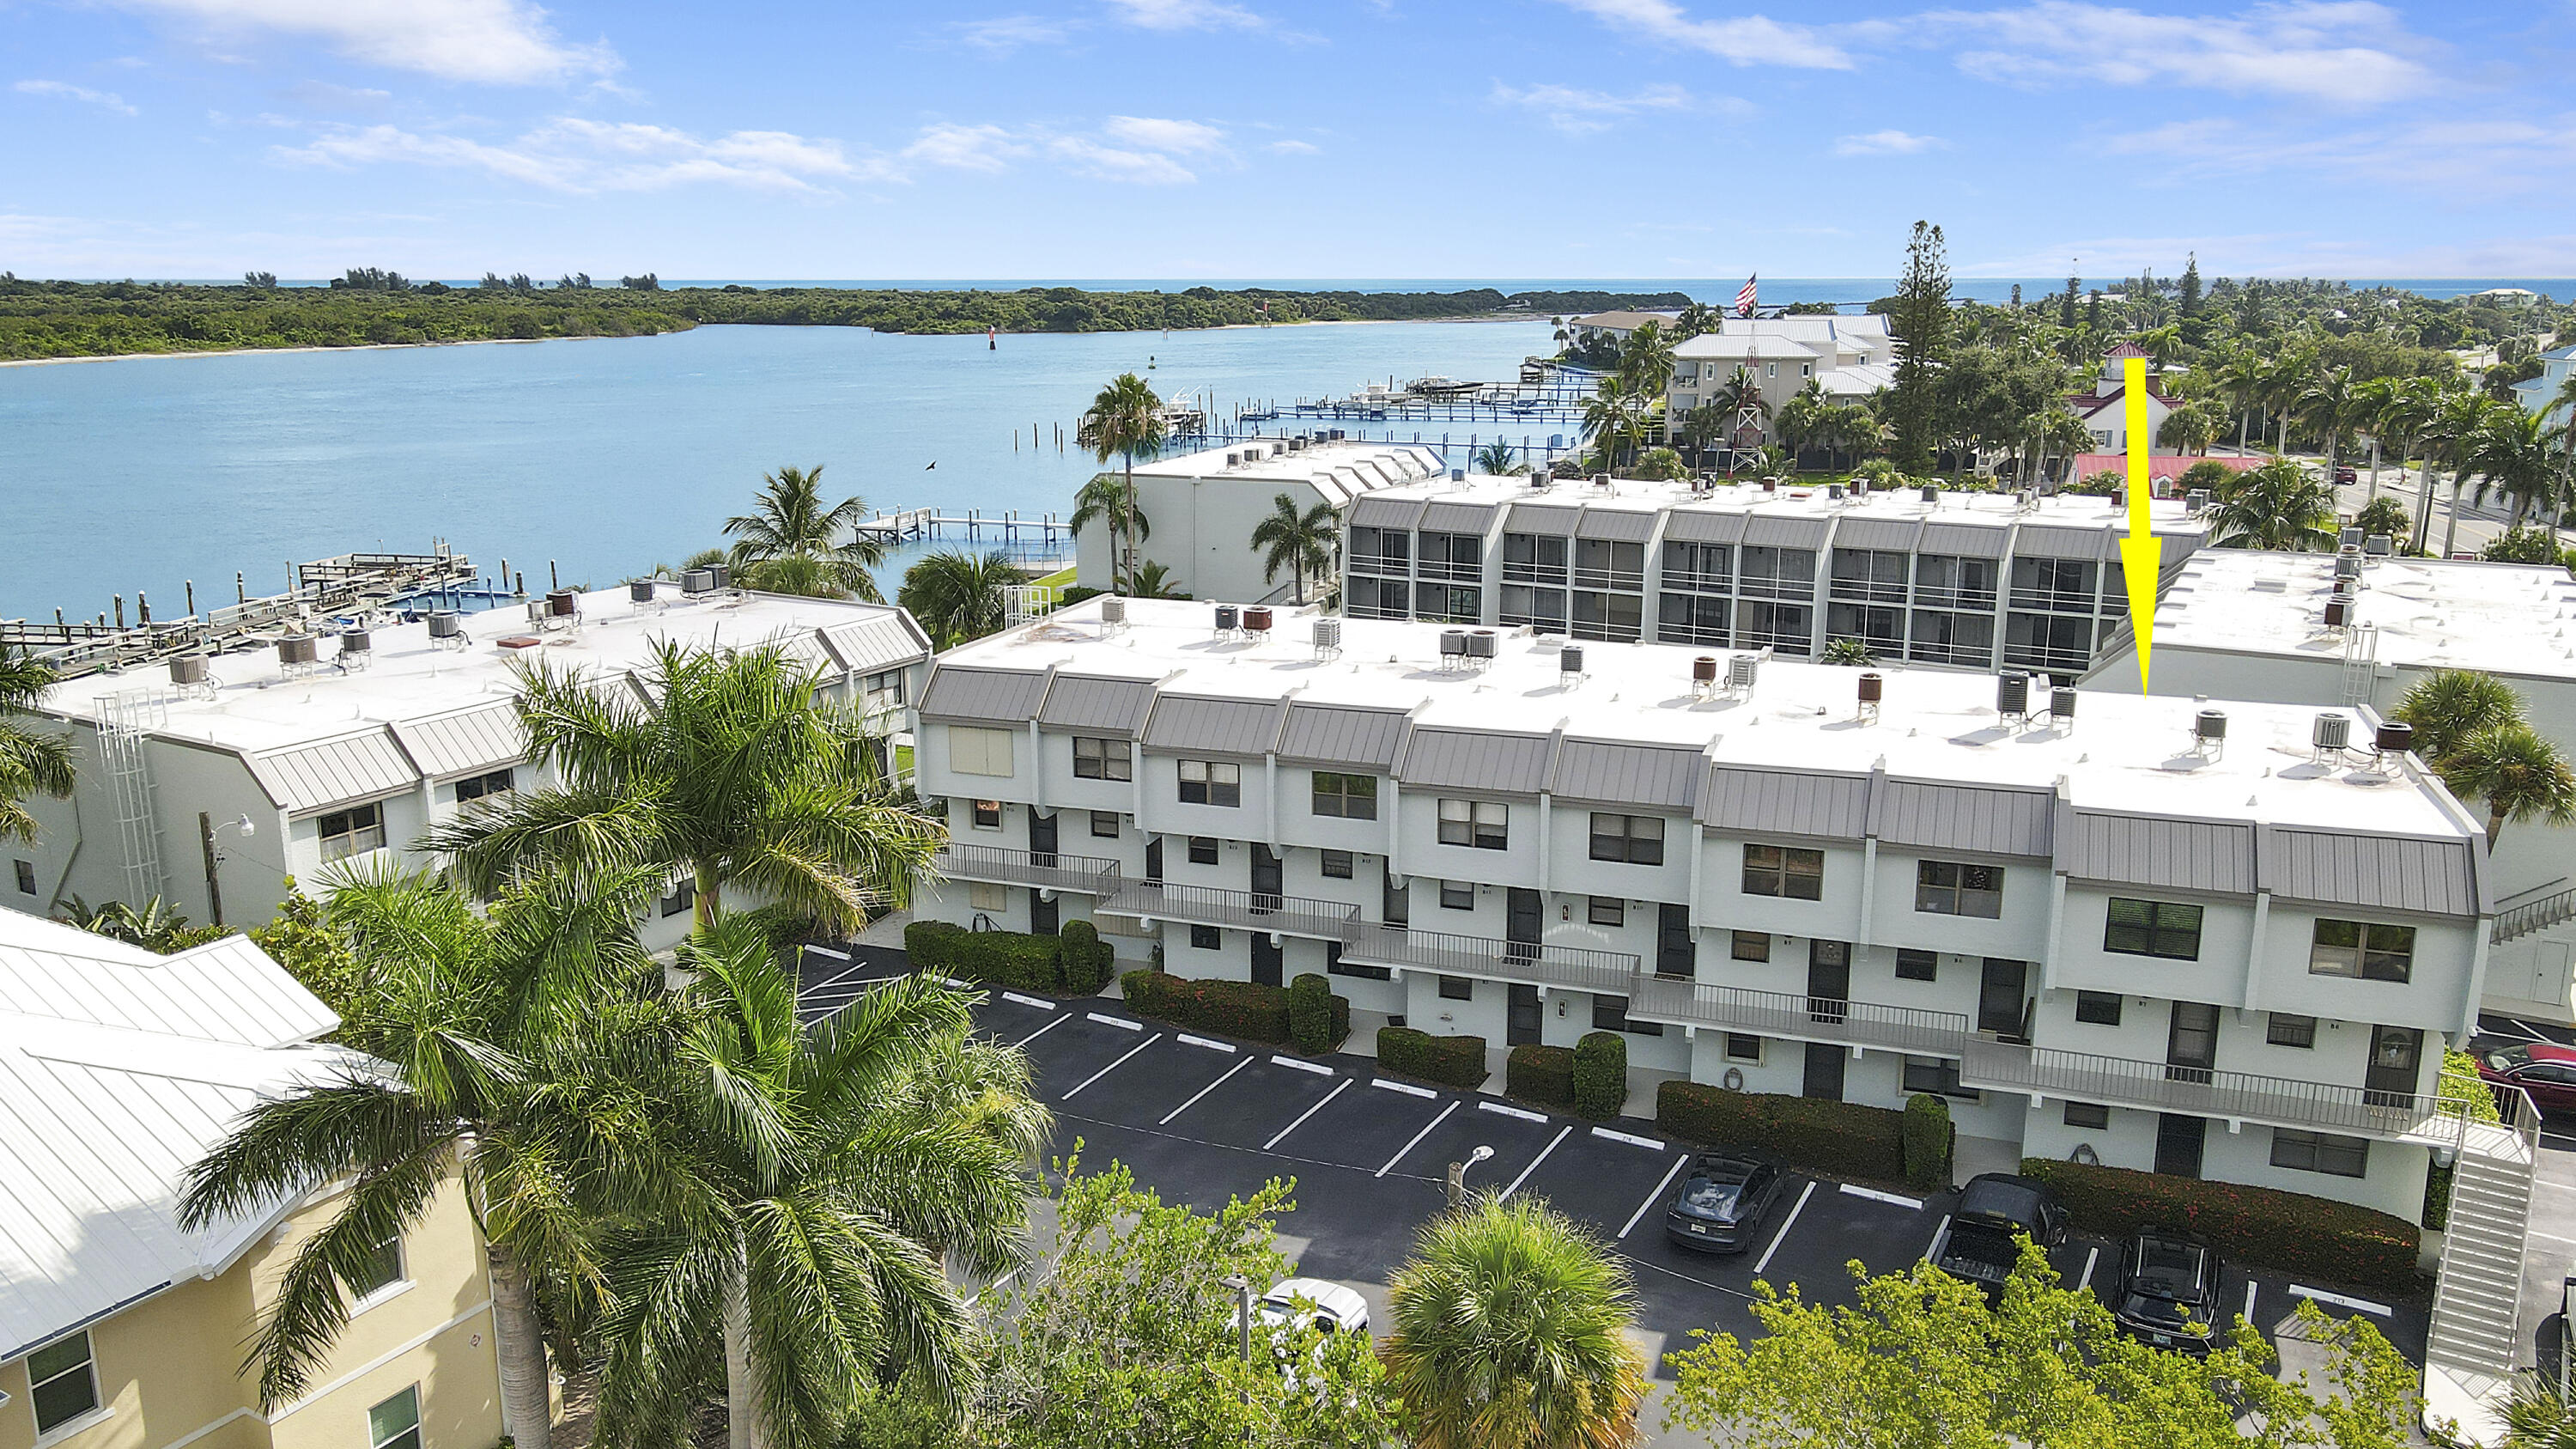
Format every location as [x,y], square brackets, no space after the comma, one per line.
[1646,360]
[1802,420]
[2512,454]
[1667,465]
[2524,546]
[958,596]
[2445,709]
[1510,1333]
[32,761]
[1302,543]
[1920,317]
[742,776]
[793,537]
[154,925]
[1614,418]
[1125,419]
[1111,499]
[1153,581]
[2190,428]
[2516,773]
[1498,459]
[2381,515]
[505,1037]
[2275,506]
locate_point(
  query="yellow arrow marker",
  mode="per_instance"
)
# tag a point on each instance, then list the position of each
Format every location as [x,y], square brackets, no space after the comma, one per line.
[2141,553]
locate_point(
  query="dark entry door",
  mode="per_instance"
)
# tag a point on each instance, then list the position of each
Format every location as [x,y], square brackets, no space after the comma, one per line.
[1266,883]
[1676,954]
[1824,1078]
[1044,918]
[1041,839]
[2178,1143]
[2191,1045]
[1829,984]
[1999,996]
[1521,917]
[1267,961]
[1154,858]
[2395,1053]
[1520,1027]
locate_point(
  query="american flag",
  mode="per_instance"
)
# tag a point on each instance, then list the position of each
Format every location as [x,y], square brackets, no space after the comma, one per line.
[1744,298]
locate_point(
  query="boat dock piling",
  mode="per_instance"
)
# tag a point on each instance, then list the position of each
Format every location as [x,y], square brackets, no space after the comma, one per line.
[918,525]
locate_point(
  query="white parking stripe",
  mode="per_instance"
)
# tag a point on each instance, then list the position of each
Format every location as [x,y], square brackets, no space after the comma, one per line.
[1040,1002]
[1113,1066]
[1785,1224]
[1417,1137]
[1940,1235]
[1656,1196]
[1041,1031]
[1199,1041]
[2091,1256]
[1631,1138]
[1874,1195]
[996,1286]
[1115,1021]
[1203,1091]
[1406,1088]
[1318,1068]
[1511,1111]
[827,951]
[2357,1305]
[1338,1088]
[2250,1286]
[1535,1161]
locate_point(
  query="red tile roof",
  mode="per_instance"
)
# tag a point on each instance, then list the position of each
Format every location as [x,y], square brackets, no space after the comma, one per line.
[2161,468]
[2087,404]
[2125,350]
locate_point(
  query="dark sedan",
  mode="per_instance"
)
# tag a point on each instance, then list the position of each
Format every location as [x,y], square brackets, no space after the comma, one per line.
[2168,1293]
[1723,1199]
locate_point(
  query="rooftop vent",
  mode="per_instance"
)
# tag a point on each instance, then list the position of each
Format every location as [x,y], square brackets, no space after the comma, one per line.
[2332,731]
[1256,619]
[2012,694]
[1328,638]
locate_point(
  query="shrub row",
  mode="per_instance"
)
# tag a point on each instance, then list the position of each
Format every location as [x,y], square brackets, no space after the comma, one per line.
[1011,959]
[1452,1061]
[1542,1074]
[1833,1137]
[1929,1136]
[1230,1008]
[1600,1075]
[2287,1231]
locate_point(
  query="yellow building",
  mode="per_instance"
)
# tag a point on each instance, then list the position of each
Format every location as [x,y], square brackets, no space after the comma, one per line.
[118,1330]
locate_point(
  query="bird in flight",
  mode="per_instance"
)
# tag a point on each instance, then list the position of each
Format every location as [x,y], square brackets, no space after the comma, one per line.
[933,464]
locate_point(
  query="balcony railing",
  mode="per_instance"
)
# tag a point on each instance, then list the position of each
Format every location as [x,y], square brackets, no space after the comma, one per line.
[1533,963]
[1692,581]
[1801,591]
[1934,596]
[1623,581]
[2200,1091]
[1048,870]
[1799,1018]
[1242,910]
[1369,563]
[1444,570]
[2055,601]
[1869,591]
[1533,573]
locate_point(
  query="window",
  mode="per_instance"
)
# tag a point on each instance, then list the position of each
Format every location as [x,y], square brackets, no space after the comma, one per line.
[1607,911]
[985,896]
[2088,1114]
[2362,949]
[1483,824]
[1955,888]
[973,751]
[2152,928]
[1534,558]
[1694,619]
[1104,824]
[1778,573]
[1451,556]
[1698,566]
[683,896]
[1458,895]
[1779,870]
[1457,988]
[2320,1152]
[484,787]
[1602,563]
[26,877]
[987,814]
[354,831]
[1617,617]
[2282,1028]
[1937,1075]
[1913,965]
[883,691]
[1784,629]
[1211,782]
[1636,839]
[1337,865]
[1206,938]
[1610,1013]
[1203,850]
[384,1270]
[2101,1008]
[1451,605]
[1751,946]
[395,1423]
[62,1381]
[1542,609]
[1741,1047]
[1381,550]
[1345,797]
[1103,759]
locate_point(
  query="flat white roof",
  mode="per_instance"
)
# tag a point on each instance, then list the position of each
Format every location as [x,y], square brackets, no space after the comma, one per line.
[2430,613]
[2169,516]
[1376,465]
[2120,753]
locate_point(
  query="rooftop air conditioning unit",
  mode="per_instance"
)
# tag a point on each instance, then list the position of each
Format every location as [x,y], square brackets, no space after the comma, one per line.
[563,603]
[1228,618]
[356,641]
[1113,610]
[446,624]
[1256,619]
[1328,637]
[188,670]
[1278,450]
[1569,661]
[2348,537]
[639,591]
[2061,702]
[1873,687]
[698,581]
[2209,727]
[2012,693]
[1481,644]
[2333,731]
[1234,460]
[2378,545]
[1741,670]
[297,651]
[1457,475]
[2394,739]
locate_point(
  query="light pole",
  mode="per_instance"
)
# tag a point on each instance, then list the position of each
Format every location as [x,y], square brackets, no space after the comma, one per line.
[206,828]
[1458,1176]
[1242,1287]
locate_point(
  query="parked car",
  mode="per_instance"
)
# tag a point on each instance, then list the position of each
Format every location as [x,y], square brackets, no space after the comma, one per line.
[1312,1302]
[2346,475]
[1996,1210]
[2546,1070]
[1723,1200]
[2168,1293]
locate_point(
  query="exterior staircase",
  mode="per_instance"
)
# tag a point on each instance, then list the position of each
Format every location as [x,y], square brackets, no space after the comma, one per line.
[2471,1353]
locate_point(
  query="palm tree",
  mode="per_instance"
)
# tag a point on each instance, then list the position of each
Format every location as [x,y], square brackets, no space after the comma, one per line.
[32,762]
[2189,428]
[1803,418]
[1300,542]
[2513,454]
[1112,499]
[2275,506]
[810,1184]
[499,1040]
[1509,1334]
[2286,379]
[1498,459]
[1125,419]
[2454,434]
[742,775]
[2518,773]
[1696,319]
[2407,407]
[1612,417]
[792,538]
[2056,429]
[1153,581]
[1646,363]
[2241,380]
[2331,404]
[2447,708]
[958,596]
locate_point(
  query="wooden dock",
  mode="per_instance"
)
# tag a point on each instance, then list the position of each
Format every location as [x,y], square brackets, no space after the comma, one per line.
[929,525]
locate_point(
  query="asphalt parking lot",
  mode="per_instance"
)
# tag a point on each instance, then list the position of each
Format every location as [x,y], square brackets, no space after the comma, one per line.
[1201,1119]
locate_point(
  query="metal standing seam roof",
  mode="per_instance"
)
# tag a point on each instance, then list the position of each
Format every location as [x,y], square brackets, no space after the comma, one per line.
[1775,531]
[1332,734]
[1657,777]
[1097,705]
[1616,525]
[987,696]
[2170,854]
[804,646]
[1785,802]
[1897,535]
[1444,517]
[225,990]
[1703,525]
[366,765]
[2058,541]
[1554,518]
[1986,820]
[2328,867]
[1199,724]
[1385,512]
[1489,762]
[487,736]
[873,646]
[1964,540]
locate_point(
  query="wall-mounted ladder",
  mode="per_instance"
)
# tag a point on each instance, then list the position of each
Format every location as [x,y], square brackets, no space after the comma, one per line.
[125,718]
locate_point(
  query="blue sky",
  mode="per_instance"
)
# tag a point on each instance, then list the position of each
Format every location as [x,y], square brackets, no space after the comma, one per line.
[1263,138]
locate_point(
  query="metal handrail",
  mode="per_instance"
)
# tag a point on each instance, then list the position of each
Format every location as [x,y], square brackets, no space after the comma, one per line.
[1625,581]
[1451,572]
[1533,573]
[1371,563]
[2532,916]
[2201,1091]
[1536,963]
[1933,596]
[1696,581]
[1800,590]
[1052,870]
[1868,591]
[2053,601]
[1244,910]
[1800,1017]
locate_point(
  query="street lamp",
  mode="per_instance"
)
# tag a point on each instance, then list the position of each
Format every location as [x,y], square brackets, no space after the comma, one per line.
[1458,1176]
[206,828]
[1242,1287]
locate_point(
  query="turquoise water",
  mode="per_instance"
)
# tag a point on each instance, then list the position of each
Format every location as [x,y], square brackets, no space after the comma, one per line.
[603,456]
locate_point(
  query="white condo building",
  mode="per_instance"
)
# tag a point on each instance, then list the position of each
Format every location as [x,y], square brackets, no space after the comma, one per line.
[2170,933]
[1850,357]
[344,757]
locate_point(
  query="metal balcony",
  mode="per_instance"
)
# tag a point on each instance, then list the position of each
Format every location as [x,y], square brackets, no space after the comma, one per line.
[1241,910]
[2203,1092]
[1795,1017]
[1047,870]
[1537,964]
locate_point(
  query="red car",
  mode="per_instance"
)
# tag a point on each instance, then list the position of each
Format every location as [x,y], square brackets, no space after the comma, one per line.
[2545,1070]
[2346,475]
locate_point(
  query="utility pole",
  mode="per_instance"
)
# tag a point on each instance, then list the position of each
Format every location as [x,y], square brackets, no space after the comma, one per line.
[214,880]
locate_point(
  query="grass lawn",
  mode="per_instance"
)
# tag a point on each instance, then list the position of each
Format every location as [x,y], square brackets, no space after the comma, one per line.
[1056,583]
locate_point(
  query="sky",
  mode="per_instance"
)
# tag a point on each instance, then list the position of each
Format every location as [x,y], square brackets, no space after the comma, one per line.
[1264,138]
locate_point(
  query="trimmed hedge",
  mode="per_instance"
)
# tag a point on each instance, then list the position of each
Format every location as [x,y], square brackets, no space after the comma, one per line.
[1317,1019]
[1929,1136]
[2287,1231]
[1088,961]
[1543,1074]
[1230,1008]
[1600,1075]
[1839,1138]
[1453,1061]
[994,958]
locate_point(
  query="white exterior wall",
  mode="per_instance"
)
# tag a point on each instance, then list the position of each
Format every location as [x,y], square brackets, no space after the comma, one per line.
[1201,534]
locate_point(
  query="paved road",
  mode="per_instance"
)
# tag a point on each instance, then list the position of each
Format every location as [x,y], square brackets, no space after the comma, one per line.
[1201,1120]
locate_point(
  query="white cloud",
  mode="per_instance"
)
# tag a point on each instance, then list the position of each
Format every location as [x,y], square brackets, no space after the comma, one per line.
[576,155]
[494,42]
[1886,143]
[1294,148]
[1183,137]
[1184,15]
[1009,32]
[65,90]
[1743,40]
[1086,157]
[2460,154]
[965,148]
[2344,52]
[1581,112]
[1139,150]
[324,96]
